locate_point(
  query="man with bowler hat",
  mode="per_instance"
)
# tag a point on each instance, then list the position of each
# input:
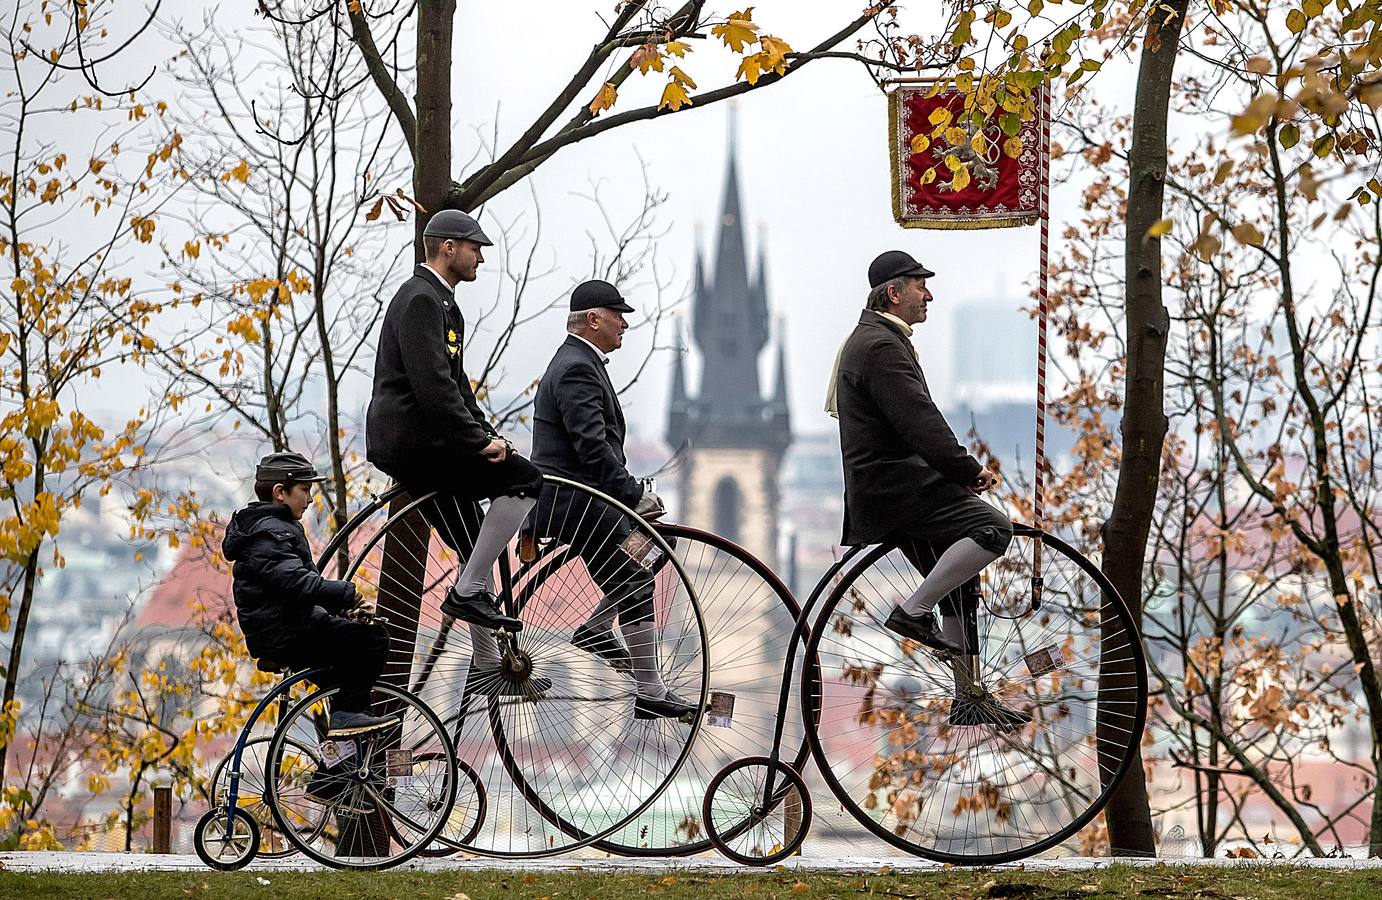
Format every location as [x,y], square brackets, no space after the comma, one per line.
[426,430]
[578,433]
[906,476]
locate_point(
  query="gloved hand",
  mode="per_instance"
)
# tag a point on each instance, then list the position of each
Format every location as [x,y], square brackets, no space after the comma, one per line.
[363,609]
[650,506]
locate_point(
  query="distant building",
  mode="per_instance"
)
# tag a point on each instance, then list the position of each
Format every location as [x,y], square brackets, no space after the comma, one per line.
[734,436]
[993,373]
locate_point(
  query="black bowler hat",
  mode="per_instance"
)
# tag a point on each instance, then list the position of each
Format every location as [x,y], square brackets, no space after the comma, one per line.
[895,264]
[285,468]
[452,223]
[598,295]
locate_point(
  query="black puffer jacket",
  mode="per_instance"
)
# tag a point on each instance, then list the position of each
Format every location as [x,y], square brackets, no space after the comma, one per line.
[278,590]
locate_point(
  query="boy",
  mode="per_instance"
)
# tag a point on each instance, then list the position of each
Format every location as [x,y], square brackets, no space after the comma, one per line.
[287,610]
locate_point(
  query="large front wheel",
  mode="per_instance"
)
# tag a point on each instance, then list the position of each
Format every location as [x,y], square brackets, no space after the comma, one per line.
[1002,753]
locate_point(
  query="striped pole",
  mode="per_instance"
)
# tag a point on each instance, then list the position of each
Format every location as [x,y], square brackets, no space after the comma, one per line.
[1044,223]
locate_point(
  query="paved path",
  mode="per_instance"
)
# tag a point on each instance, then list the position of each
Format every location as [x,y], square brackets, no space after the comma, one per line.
[55,861]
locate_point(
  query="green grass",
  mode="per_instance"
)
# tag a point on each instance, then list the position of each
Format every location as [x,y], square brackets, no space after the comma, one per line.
[1156,882]
[958,884]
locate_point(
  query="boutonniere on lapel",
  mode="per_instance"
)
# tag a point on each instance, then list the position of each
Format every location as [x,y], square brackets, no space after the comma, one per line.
[453,345]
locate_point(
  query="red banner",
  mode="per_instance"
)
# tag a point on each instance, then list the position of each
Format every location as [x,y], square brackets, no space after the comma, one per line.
[947,173]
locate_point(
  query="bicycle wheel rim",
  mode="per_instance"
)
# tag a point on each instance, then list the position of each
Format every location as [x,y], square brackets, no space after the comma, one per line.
[441,651]
[1029,818]
[750,615]
[392,793]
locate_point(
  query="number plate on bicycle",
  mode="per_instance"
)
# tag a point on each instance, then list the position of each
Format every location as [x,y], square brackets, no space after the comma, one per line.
[398,767]
[641,549]
[720,712]
[334,752]
[1045,660]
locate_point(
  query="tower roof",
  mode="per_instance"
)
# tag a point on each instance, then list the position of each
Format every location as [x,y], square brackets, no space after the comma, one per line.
[731,326]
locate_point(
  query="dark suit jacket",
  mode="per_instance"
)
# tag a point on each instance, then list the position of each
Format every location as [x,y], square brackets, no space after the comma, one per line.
[578,426]
[901,459]
[423,414]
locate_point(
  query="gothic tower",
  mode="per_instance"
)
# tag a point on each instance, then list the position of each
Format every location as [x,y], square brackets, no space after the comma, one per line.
[734,435]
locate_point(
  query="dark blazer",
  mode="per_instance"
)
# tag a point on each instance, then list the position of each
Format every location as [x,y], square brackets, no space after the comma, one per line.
[278,590]
[578,426]
[422,414]
[901,459]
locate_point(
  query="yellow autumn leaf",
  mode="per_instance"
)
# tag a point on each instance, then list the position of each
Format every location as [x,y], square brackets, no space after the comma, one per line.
[940,116]
[928,176]
[646,58]
[674,97]
[1206,246]
[776,50]
[1160,228]
[240,173]
[604,99]
[920,143]
[961,179]
[1247,233]
[1013,147]
[738,30]
[979,143]
[750,68]
[682,78]
[677,48]
[955,136]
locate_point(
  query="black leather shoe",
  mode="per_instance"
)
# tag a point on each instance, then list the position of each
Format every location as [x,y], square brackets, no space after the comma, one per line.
[921,629]
[669,707]
[347,724]
[604,644]
[480,608]
[987,711]
[489,682]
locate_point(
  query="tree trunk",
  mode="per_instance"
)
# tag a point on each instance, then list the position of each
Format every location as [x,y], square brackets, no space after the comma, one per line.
[21,627]
[1144,418]
[432,147]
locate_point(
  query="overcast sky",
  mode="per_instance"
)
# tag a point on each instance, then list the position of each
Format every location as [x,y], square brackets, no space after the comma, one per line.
[813,173]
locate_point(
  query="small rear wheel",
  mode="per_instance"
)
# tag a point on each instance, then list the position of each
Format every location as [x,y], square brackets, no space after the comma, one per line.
[226,841]
[743,824]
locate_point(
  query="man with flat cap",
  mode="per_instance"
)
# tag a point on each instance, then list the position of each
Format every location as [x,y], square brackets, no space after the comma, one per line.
[578,433]
[906,476]
[426,430]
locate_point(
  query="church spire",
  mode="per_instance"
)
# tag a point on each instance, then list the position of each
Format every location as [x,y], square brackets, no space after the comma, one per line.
[780,377]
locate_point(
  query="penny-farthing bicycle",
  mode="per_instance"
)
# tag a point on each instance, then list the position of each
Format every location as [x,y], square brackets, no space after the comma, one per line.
[366,802]
[553,732]
[1004,752]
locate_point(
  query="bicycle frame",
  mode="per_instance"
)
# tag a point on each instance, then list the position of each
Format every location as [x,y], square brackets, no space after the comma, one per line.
[281,689]
[799,629]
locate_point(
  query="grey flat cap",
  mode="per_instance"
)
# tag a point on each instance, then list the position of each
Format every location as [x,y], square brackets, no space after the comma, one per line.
[452,223]
[286,467]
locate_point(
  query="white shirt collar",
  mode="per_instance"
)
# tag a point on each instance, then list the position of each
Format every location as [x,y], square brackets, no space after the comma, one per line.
[604,360]
[437,275]
[906,329]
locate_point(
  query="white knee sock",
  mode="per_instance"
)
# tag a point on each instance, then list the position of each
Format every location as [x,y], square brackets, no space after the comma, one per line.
[642,640]
[505,516]
[603,616]
[960,562]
